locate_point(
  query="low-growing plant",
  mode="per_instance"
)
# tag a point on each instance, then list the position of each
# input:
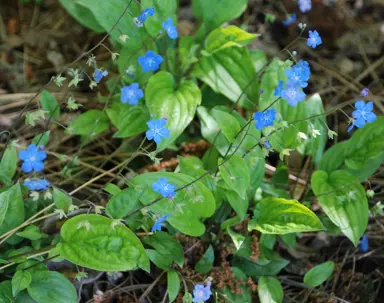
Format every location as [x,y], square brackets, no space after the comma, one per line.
[164,89]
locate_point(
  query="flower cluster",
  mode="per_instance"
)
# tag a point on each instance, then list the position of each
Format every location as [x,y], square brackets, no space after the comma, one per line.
[362,115]
[297,78]
[33,160]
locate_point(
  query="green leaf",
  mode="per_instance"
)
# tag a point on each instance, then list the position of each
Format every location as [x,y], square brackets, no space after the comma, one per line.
[230,72]
[49,103]
[41,139]
[129,120]
[227,123]
[24,297]
[32,232]
[225,37]
[290,239]
[194,167]
[239,204]
[50,286]
[163,10]
[177,103]
[186,209]
[343,199]
[11,209]
[333,158]
[62,200]
[8,165]
[6,292]
[112,189]
[166,247]
[255,270]
[319,274]
[365,145]
[370,167]
[20,281]
[235,173]
[123,202]
[82,15]
[187,298]
[93,242]
[216,12]
[237,239]
[258,58]
[90,123]
[205,264]
[270,290]
[161,261]
[281,216]
[173,285]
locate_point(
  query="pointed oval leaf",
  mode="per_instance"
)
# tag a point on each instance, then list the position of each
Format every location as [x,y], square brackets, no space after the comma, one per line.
[173,285]
[270,290]
[205,264]
[343,199]
[187,208]
[50,104]
[20,281]
[50,286]
[281,216]
[93,242]
[319,274]
[11,208]
[8,165]
[6,292]
[178,104]
[90,123]
[123,202]
[227,123]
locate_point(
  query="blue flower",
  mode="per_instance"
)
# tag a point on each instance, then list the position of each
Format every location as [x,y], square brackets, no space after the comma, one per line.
[279,88]
[267,144]
[157,130]
[158,223]
[365,92]
[99,74]
[291,18]
[37,184]
[150,62]
[264,119]
[131,94]
[33,159]
[148,12]
[305,5]
[299,73]
[164,188]
[314,39]
[201,293]
[170,28]
[362,114]
[293,94]
[363,243]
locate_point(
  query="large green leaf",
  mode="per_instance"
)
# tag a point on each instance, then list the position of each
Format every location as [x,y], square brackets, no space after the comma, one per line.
[11,208]
[129,120]
[216,12]
[365,145]
[163,10]
[227,123]
[270,290]
[281,216]
[50,104]
[20,281]
[173,285]
[343,199]
[8,165]
[50,286]
[333,158]
[24,297]
[177,103]
[6,292]
[82,15]
[320,273]
[187,208]
[90,123]
[370,167]
[235,173]
[231,73]
[226,37]
[96,242]
[123,202]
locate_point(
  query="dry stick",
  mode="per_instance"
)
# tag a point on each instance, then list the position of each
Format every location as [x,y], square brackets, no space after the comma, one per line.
[149,289]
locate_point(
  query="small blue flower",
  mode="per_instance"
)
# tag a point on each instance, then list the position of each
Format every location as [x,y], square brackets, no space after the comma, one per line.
[170,28]
[362,114]
[157,130]
[290,19]
[305,5]
[365,92]
[295,77]
[99,74]
[37,184]
[131,94]
[279,88]
[363,243]
[264,119]
[159,222]
[33,159]
[314,39]
[150,62]
[267,144]
[293,94]
[201,293]
[164,188]
[148,12]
